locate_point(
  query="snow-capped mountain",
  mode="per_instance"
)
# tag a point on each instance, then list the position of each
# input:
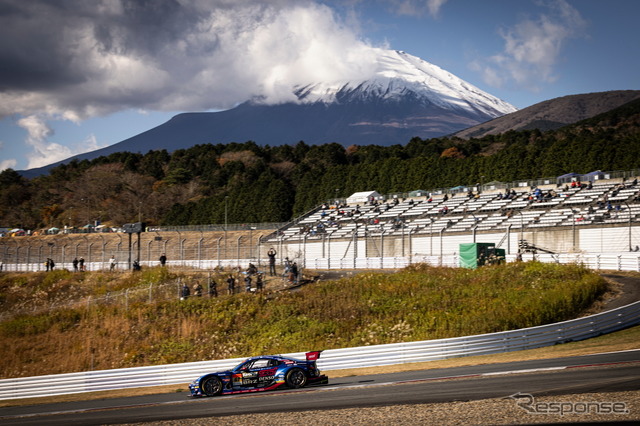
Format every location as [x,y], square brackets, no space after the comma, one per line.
[399,76]
[401,97]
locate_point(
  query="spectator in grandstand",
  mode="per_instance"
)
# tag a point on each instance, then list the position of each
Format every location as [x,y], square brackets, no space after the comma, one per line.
[197,289]
[272,261]
[163,259]
[185,292]
[231,284]
[75,264]
[213,289]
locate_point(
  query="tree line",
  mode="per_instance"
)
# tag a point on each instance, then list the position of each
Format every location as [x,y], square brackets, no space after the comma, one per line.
[250,183]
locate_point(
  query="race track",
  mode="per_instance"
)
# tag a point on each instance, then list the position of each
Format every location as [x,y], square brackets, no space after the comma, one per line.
[611,372]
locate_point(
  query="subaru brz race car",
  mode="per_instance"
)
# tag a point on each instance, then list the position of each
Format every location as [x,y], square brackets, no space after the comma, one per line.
[261,373]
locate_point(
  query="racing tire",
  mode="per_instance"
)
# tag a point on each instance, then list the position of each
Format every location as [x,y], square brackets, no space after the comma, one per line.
[296,378]
[211,386]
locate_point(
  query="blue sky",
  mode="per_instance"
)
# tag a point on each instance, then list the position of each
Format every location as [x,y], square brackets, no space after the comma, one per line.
[78,76]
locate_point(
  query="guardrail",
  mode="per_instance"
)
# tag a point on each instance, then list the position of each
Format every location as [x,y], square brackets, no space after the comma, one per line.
[333,359]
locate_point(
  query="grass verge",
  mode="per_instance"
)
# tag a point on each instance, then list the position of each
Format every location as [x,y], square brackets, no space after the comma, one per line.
[628,339]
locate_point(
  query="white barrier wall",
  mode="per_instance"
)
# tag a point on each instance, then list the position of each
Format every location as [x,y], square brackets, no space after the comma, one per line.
[333,359]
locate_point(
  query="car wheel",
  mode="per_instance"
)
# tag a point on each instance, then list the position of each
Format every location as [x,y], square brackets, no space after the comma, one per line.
[211,386]
[296,378]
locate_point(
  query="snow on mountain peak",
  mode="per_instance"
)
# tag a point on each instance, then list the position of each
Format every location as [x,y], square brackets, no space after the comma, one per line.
[398,75]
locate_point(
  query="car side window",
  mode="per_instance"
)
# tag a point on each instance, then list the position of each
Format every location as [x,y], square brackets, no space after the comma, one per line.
[260,363]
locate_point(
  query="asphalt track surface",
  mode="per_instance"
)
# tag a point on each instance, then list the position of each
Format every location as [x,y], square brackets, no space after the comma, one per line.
[609,372]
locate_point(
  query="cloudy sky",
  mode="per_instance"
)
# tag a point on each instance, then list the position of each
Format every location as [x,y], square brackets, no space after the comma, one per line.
[79,75]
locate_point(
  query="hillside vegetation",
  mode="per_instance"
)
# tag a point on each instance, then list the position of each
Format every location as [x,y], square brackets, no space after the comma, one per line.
[249,183]
[417,303]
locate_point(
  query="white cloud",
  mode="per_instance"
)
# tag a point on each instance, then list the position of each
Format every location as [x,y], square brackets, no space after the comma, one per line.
[43,151]
[8,164]
[434,6]
[192,55]
[418,7]
[532,48]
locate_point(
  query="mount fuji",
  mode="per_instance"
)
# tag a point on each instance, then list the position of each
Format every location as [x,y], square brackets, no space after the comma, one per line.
[401,97]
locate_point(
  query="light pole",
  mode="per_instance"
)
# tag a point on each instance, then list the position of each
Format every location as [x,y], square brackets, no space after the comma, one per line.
[475,226]
[226,199]
[573,227]
[521,228]
[629,210]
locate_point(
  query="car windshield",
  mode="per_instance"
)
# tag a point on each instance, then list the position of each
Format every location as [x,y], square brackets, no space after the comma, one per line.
[257,363]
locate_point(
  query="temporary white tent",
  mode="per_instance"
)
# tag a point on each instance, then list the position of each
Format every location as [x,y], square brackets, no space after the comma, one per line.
[363,197]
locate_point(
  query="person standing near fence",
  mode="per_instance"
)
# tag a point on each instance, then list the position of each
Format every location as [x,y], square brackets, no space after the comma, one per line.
[112,263]
[247,283]
[163,259]
[259,282]
[272,261]
[185,292]
[197,289]
[81,264]
[213,289]
[231,284]
[75,264]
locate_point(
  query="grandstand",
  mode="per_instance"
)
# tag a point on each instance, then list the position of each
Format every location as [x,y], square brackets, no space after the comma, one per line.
[554,213]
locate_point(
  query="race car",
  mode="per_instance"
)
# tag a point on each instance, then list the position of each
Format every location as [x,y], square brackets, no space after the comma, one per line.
[261,373]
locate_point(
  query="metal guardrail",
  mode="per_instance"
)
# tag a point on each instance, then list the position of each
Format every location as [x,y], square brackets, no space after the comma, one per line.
[333,359]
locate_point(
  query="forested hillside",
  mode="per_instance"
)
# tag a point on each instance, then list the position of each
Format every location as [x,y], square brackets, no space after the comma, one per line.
[273,184]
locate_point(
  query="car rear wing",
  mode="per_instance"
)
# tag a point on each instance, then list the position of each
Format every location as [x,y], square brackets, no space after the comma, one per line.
[313,356]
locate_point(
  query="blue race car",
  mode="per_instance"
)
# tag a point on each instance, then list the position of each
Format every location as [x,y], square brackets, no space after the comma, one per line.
[261,373]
